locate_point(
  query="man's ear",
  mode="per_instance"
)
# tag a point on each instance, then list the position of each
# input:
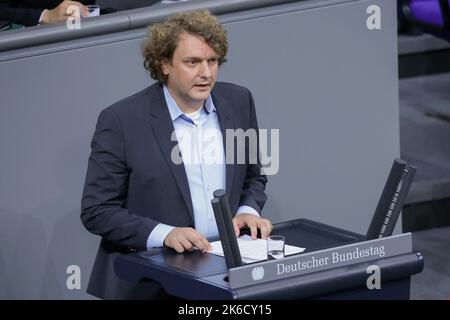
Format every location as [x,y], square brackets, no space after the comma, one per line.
[165,67]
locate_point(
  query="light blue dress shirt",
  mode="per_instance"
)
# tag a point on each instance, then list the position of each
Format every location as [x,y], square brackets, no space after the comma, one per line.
[201,145]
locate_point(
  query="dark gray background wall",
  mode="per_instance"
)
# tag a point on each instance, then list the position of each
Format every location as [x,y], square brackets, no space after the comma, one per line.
[316,72]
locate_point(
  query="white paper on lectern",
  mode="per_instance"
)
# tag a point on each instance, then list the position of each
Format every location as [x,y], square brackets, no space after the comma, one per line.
[253,250]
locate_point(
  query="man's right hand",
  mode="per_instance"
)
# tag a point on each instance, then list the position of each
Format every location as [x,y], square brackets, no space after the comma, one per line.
[61,12]
[186,239]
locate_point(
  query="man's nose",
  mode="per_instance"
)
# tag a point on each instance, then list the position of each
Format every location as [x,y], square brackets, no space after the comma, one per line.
[204,71]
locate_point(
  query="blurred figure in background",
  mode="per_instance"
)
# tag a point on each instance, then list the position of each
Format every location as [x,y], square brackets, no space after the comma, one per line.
[31,13]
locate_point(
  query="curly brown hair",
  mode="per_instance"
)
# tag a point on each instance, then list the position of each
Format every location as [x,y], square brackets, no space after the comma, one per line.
[163,39]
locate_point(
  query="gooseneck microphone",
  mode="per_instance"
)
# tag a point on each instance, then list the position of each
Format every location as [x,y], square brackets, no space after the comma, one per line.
[224,220]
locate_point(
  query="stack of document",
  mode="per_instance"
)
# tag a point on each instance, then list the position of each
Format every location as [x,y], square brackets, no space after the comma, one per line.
[253,250]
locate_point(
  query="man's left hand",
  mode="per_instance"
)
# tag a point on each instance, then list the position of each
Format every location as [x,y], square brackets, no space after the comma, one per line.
[254,223]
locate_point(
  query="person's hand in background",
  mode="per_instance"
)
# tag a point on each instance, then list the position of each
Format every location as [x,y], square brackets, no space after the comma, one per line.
[62,12]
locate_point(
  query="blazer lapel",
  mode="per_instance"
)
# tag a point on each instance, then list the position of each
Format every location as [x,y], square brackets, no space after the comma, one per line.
[162,126]
[226,122]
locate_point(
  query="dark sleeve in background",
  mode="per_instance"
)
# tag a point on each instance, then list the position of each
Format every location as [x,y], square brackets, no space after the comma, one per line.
[121,5]
[43,4]
[23,16]
[27,12]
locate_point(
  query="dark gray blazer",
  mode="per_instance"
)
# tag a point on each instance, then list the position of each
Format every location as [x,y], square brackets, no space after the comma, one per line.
[132,184]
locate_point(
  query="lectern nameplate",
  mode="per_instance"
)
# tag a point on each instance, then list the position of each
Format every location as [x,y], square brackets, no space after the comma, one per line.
[319,260]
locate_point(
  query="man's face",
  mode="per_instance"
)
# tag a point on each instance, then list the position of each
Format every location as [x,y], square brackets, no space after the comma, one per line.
[192,72]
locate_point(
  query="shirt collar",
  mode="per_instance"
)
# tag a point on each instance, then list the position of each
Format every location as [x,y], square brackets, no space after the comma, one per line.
[174,109]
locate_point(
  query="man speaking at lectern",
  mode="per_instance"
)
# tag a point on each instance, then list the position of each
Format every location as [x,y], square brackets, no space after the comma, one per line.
[150,178]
